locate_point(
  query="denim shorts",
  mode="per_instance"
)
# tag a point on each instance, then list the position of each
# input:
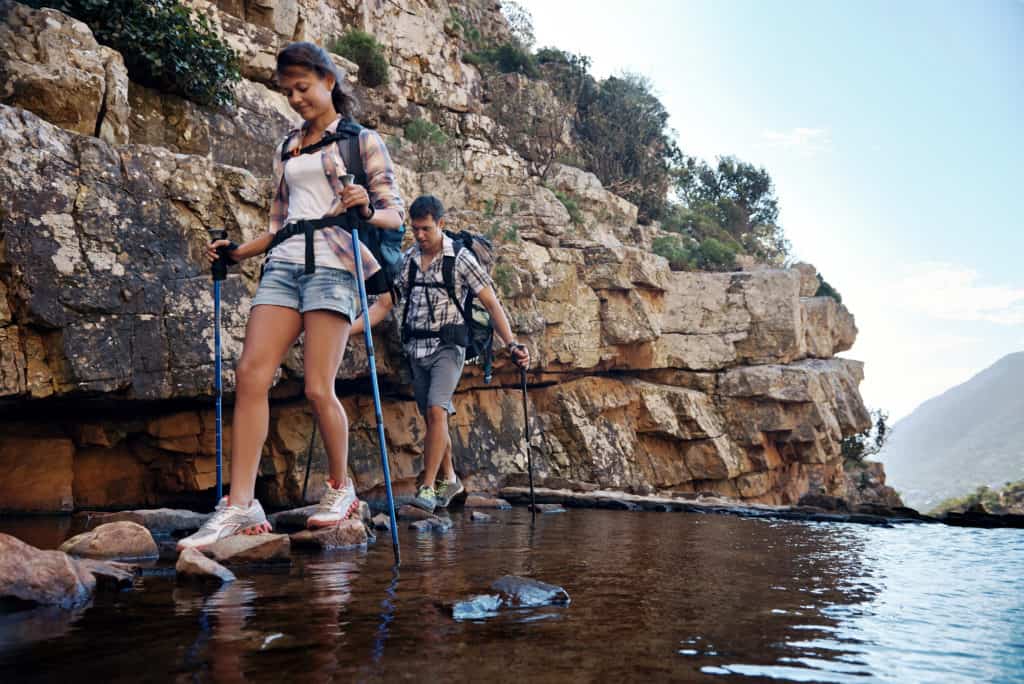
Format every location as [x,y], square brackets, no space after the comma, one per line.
[436,375]
[286,284]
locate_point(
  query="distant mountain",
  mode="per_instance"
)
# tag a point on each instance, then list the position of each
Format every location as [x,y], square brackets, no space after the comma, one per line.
[970,435]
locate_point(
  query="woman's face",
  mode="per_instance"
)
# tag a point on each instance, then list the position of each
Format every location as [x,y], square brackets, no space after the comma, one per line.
[308,93]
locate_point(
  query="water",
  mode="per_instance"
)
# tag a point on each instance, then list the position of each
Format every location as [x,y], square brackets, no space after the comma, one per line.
[655,597]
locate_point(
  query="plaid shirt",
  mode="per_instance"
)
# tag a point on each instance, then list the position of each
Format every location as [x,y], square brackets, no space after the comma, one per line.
[431,307]
[380,179]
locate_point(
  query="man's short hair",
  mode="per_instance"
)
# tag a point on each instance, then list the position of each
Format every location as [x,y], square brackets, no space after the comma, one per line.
[426,205]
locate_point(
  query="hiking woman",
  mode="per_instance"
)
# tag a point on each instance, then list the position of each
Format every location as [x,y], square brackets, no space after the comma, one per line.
[291,299]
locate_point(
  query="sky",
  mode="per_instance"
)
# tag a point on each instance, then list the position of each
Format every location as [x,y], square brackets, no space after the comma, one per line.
[894,133]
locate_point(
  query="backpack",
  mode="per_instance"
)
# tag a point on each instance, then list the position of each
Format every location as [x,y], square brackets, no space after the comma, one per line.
[478,334]
[385,245]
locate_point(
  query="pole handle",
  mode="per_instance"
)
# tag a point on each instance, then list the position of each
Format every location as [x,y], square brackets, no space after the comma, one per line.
[219,268]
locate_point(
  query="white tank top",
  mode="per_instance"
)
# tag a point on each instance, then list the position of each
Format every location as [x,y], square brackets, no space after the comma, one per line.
[309,197]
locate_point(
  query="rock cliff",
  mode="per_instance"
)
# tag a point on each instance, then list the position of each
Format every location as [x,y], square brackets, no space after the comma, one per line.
[646,379]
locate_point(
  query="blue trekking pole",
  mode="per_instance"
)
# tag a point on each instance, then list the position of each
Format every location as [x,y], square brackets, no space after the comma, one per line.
[219,271]
[353,224]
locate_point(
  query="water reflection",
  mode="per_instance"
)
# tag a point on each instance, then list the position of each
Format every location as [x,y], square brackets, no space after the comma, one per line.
[654,596]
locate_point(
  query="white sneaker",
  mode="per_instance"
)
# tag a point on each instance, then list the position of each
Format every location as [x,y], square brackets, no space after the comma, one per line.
[228,520]
[335,506]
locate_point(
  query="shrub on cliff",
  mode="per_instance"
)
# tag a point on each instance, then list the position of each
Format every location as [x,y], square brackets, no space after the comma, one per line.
[425,146]
[165,45]
[364,50]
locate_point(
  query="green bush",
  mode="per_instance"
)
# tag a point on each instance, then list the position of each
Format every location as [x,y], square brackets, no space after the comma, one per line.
[508,59]
[364,50]
[164,44]
[428,145]
[672,248]
[826,290]
[571,206]
[713,255]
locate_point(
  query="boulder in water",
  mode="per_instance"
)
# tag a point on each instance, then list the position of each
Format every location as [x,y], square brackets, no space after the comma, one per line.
[512,592]
[478,517]
[194,565]
[478,501]
[124,539]
[432,524]
[348,534]
[44,577]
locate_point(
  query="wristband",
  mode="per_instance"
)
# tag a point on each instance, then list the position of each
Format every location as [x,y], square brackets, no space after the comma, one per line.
[373,210]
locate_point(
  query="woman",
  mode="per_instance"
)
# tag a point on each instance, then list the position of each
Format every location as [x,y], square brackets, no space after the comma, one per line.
[291,300]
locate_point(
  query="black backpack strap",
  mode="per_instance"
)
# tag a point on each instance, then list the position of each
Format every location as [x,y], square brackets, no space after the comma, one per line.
[284,146]
[408,289]
[448,273]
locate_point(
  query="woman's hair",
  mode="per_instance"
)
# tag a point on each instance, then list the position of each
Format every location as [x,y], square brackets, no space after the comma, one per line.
[315,58]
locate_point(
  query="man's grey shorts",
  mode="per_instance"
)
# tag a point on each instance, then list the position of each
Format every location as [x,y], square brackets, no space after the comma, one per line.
[435,377]
[286,284]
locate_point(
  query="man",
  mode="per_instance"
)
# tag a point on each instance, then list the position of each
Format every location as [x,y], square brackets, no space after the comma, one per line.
[431,339]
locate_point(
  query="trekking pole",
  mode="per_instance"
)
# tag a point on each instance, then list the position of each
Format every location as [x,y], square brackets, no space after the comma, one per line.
[219,271]
[353,223]
[529,457]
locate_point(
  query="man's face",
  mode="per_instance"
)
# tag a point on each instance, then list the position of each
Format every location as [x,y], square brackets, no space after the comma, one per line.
[428,233]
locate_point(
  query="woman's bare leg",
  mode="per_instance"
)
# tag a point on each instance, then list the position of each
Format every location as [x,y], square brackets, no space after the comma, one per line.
[323,349]
[271,331]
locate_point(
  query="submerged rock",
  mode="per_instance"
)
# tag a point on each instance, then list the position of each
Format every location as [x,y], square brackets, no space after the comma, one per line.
[348,534]
[382,521]
[548,508]
[193,565]
[256,548]
[44,577]
[512,592]
[126,540]
[525,592]
[432,524]
[478,517]
[478,501]
[109,574]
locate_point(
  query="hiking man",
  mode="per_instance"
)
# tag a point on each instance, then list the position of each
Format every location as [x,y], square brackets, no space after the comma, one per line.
[434,336]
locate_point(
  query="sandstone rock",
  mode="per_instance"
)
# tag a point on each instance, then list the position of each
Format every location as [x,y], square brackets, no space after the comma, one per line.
[44,577]
[256,548]
[479,501]
[52,65]
[809,282]
[349,534]
[525,592]
[828,326]
[30,488]
[109,574]
[124,540]
[193,565]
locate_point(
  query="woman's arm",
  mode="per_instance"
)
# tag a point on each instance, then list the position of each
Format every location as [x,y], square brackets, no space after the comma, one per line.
[377,312]
[244,251]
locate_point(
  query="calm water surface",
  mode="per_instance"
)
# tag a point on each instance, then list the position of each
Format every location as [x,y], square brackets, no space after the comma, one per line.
[655,597]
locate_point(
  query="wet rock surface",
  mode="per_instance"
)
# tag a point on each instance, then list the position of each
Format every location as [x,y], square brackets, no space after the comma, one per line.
[432,524]
[193,565]
[159,521]
[52,578]
[256,548]
[478,517]
[117,540]
[481,501]
[510,593]
[351,533]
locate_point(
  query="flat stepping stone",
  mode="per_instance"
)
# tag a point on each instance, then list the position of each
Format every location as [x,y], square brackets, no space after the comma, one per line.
[121,540]
[193,565]
[255,548]
[548,508]
[478,501]
[163,521]
[410,512]
[296,518]
[349,534]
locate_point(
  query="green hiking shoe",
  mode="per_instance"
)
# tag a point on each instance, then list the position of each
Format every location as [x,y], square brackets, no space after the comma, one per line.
[446,491]
[426,499]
